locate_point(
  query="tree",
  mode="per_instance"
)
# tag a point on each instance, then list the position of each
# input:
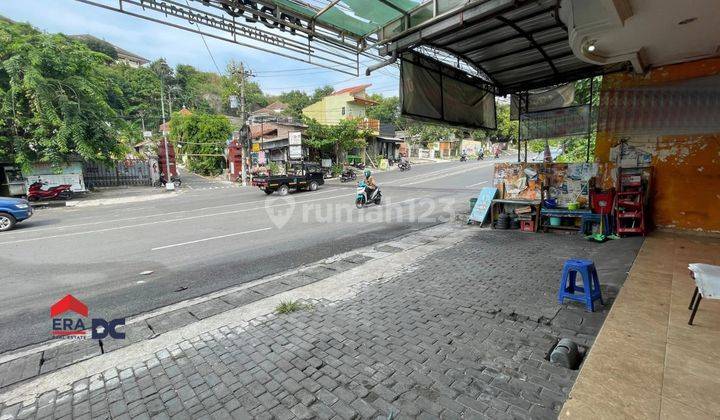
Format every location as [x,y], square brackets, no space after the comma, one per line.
[478,135]
[506,129]
[387,110]
[425,134]
[54,99]
[98,45]
[202,137]
[320,93]
[339,139]
[254,97]
[296,101]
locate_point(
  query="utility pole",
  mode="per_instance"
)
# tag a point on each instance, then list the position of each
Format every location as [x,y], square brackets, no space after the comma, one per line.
[242,74]
[169,185]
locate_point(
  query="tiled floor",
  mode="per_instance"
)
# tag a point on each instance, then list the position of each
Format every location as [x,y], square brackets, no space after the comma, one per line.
[647,362]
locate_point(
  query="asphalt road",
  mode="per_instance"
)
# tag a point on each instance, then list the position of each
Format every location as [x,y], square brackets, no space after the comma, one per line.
[206,238]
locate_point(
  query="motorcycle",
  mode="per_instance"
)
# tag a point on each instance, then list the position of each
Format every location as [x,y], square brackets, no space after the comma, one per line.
[404,166]
[481,155]
[348,175]
[175,180]
[361,199]
[463,158]
[61,192]
[359,165]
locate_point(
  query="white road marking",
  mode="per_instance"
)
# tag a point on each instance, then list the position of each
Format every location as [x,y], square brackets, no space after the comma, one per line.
[201,216]
[169,213]
[442,173]
[475,185]
[209,239]
[445,175]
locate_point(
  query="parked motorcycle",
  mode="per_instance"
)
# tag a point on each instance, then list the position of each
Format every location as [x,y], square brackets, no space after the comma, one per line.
[359,165]
[175,180]
[60,192]
[348,175]
[361,199]
[404,166]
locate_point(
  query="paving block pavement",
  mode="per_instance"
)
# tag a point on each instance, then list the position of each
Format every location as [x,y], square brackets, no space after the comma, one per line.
[458,331]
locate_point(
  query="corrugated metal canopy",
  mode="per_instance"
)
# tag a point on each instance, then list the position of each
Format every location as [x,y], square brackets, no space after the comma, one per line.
[518,45]
[357,17]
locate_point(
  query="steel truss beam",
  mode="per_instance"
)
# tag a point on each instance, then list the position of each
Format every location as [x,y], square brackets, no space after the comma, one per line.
[299,39]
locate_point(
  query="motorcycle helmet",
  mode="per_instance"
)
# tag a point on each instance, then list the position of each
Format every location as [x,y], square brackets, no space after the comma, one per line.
[367,173]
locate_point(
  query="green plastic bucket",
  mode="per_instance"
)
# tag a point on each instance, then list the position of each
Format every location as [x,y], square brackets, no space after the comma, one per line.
[555,221]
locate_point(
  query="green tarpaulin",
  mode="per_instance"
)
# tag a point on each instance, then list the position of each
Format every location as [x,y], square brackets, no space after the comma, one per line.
[358,17]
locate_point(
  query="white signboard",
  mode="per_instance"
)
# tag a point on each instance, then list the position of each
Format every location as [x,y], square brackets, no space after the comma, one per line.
[147,134]
[295,152]
[294,138]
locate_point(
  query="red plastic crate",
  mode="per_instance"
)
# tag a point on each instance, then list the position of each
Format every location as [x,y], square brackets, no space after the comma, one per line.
[527,225]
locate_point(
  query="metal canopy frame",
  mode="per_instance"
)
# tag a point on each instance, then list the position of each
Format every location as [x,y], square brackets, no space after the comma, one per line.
[264,25]
[523,102]
[518,44]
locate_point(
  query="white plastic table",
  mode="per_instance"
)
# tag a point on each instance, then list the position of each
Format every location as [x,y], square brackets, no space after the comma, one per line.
[707,285]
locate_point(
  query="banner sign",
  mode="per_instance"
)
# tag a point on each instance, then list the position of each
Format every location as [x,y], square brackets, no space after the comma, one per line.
[295,152]
[560,122]
[482,205]
[295,138]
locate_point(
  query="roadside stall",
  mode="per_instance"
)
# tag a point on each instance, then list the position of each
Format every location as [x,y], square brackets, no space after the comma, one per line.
[590,198]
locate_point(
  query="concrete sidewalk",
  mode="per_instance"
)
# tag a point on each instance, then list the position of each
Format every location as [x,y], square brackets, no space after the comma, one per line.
[449,322]
[647,361]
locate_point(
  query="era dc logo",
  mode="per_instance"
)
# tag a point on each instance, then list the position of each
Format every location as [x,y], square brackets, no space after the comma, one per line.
[69,320]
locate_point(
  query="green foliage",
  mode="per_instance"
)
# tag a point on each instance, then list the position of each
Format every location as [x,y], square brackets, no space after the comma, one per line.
[98,45]
[201,134]
[426,134]
[54,99]
[320,93]
[199,90]
[288,306]
[387,110]
[296,101]
[506,129]
[254,98]
[478,135]
[340,138]
[336,169]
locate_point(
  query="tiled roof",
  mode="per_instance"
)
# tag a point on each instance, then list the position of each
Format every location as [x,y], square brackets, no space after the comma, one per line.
[352,89]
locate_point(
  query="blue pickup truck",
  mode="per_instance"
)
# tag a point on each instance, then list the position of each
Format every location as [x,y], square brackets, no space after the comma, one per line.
[13,210]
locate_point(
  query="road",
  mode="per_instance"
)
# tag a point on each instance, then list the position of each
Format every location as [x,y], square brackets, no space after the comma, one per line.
[208,237]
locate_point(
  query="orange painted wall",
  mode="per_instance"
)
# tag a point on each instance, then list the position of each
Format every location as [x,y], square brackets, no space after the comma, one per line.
[686,168]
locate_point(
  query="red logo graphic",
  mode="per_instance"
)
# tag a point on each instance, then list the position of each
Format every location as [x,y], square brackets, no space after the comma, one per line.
[68,321]
[68,303]
[64,324]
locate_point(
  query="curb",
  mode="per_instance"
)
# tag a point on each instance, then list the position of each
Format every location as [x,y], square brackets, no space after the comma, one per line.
[35,361]
[45,204]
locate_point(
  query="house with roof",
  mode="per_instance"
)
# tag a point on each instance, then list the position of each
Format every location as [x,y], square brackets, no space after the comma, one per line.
[272,139]
[270,113]
[353,103]
[123,56]
[348,103]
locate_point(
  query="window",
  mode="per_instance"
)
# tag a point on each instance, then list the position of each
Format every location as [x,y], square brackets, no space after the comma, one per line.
[342,111]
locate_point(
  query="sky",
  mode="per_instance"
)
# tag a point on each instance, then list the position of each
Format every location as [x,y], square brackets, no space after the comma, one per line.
[152,40]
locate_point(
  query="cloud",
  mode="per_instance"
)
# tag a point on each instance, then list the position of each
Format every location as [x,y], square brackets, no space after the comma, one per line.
[152,40]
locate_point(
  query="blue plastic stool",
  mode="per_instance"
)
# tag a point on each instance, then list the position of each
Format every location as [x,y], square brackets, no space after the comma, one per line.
[589,292]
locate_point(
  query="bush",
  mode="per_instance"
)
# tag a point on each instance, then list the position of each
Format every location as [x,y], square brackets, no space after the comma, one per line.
[336,169]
